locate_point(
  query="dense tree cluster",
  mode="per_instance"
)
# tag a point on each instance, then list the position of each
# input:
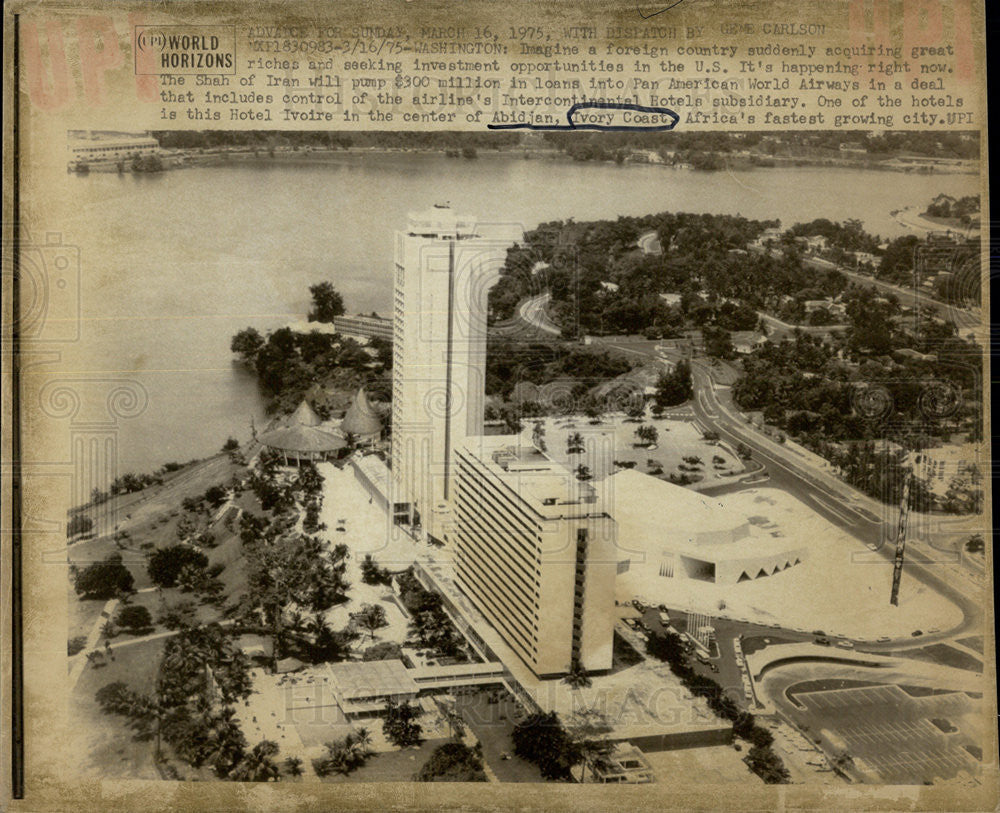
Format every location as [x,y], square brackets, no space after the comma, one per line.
[765,763]
[190,710]
[543,740]
[430,625]
[399,723]
[453,762]
[509,363]
[947,207]
[103,580]
[674,387]
[345,755]
[166,565]
[600,282]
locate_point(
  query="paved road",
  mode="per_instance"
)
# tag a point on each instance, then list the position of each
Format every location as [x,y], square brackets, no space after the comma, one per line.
[533,312]
[650,243]
[964,320]
[833,499]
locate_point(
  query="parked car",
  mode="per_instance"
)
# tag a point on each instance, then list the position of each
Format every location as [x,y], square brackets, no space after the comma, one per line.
[884,639]
[917,633]
[845,644]
[664,619]
[822,641]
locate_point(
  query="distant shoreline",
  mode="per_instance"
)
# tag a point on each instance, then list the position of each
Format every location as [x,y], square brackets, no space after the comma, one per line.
[220,156]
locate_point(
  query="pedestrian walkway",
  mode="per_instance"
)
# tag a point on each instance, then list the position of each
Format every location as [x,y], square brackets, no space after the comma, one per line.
[81,660]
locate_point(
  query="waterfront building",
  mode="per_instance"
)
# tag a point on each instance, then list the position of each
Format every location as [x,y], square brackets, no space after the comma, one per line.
[303,436]
[362,327]
[535,552]
[445,264]
[112,146]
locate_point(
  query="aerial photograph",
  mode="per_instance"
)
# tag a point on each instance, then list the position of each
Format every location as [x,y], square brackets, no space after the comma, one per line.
[565,457]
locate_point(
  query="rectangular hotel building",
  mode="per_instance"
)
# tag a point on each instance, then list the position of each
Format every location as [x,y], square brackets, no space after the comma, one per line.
[535,553]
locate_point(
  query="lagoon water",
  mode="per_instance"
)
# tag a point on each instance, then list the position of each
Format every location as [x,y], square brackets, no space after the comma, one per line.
[173,264]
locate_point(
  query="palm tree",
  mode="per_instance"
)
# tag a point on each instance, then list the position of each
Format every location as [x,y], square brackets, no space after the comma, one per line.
[574,443]
[587,731]
[224,741]
[359,741]
[258,765]
[577,676]
[293,766]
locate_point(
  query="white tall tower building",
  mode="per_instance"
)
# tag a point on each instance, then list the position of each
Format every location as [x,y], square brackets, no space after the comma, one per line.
[445,266]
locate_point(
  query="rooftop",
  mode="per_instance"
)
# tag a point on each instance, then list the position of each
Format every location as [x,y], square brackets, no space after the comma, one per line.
[367,679]
[440,221]
[550,488]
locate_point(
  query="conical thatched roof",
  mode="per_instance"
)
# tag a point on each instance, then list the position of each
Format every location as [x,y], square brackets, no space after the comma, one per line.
[302,439]
[304,415]
[361,420]
[302,432]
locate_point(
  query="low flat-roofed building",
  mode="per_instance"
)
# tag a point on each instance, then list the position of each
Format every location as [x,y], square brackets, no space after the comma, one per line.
[670,532]
[362,688]
[624,765]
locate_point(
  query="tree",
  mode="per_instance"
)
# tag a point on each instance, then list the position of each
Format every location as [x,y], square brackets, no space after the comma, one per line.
[636,409]
[372,617]
[104,580]
[589,729]
[246,344]
[669,647]
[293,766]
[346,755]
[583,472]
[718,343]
[327,302]
[135,619]
[574,443]
[647,434]
[216,495]
[383,651]
[767,765]
[291,569]
[453,762]
[258,764]
[541,739]
[166,564]
[371,573]
[399,723]
[675,387]
[577,676]
[975,544]
[79,524]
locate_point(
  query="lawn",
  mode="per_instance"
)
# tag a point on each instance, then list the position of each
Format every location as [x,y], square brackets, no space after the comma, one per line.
[391,766]
[108,747]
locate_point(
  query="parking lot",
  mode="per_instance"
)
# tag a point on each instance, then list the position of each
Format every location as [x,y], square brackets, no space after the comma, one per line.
[894,737]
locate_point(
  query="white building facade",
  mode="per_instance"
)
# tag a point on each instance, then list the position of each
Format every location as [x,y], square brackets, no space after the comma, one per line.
[535,551]
[444,267]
